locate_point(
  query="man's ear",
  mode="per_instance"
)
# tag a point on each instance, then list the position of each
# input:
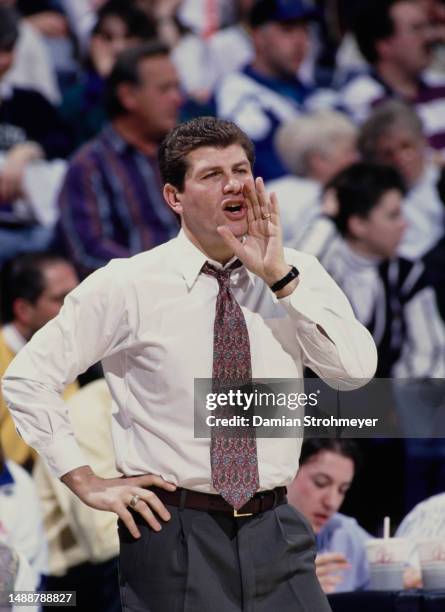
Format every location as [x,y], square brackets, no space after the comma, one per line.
[173,198]
[126,95]
[383,47]
[22,310]
[357,227]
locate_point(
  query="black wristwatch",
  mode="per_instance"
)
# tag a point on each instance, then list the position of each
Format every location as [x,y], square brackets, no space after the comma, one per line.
[293,273]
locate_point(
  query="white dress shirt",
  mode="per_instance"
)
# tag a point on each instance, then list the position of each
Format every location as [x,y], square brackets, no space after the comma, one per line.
[150,320]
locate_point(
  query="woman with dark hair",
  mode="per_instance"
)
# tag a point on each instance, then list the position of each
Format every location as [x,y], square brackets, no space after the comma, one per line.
[327,468]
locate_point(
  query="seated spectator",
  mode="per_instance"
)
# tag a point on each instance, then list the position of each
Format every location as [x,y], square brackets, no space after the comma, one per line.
[349,60]
[119,26]
[393,135]
[394,36]
[32,291]
[83,544]
[267,92]
[32,67]
[23,546]
[27,212]
[49,19]
[327,468]
[231,48]
[314,148]
[425,521]
[111,201]
[389,295]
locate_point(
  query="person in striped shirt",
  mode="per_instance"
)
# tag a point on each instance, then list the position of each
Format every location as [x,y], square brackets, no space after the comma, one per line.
[391,296]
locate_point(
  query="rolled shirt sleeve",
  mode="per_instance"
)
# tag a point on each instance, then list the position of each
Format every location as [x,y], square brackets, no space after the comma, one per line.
[92,324]
[348,353]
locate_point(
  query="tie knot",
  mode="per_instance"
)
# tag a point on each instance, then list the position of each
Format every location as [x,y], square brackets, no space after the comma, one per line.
[222,275]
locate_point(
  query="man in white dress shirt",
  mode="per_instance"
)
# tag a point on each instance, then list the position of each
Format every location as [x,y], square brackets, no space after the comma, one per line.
[151,319]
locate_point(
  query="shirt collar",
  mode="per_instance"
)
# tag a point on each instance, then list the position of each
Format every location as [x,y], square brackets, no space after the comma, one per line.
[114,139]
[389,91]
[191,260]
[276,83]
[14,340]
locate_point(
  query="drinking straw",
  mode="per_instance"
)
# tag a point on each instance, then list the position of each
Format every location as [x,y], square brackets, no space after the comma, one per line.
[386,527]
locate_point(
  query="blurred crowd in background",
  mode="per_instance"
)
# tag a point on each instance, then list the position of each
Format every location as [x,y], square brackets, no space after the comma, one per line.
[345,102]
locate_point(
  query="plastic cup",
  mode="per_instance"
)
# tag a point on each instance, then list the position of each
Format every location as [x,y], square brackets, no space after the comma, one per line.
[386,557]
[432,562]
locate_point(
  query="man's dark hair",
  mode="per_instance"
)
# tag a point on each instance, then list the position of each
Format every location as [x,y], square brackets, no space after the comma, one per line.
[9,29]
[340,446]
[23,277]
[126,70]
[193,134]
[138,24]
[371,23]
[360,187]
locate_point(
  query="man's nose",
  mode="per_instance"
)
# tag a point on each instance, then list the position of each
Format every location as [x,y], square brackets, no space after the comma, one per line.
[233,185]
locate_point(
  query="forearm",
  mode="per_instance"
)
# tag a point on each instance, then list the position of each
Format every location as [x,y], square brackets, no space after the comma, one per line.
[41,418]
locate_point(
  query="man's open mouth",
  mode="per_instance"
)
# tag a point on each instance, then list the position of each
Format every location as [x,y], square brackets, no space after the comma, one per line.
[233,207]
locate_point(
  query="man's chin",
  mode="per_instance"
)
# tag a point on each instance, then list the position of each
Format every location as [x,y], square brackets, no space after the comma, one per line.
[238,228]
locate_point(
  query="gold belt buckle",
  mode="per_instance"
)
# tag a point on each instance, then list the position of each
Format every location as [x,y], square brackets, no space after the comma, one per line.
[239,514]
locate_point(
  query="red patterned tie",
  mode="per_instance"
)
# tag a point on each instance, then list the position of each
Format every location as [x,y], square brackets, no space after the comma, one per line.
[233,459]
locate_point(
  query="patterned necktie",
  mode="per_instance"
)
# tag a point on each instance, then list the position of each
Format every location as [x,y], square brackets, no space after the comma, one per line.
[233,459]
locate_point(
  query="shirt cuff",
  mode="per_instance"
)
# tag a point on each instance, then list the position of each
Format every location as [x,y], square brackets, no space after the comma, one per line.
[63,456]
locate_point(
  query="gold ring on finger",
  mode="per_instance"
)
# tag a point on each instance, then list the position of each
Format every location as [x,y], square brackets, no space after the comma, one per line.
[265,215]
[134,500]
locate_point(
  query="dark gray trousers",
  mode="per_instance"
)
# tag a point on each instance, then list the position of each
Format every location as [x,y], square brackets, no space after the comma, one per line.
[208,562]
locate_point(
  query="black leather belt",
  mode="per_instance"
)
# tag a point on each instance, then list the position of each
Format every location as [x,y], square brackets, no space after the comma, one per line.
[184,498]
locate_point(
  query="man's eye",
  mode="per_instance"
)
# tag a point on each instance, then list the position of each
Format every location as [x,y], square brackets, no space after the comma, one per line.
[210,174]
[241,171]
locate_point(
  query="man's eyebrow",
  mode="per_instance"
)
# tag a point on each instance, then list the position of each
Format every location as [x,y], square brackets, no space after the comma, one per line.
[209,169]
[205,169]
